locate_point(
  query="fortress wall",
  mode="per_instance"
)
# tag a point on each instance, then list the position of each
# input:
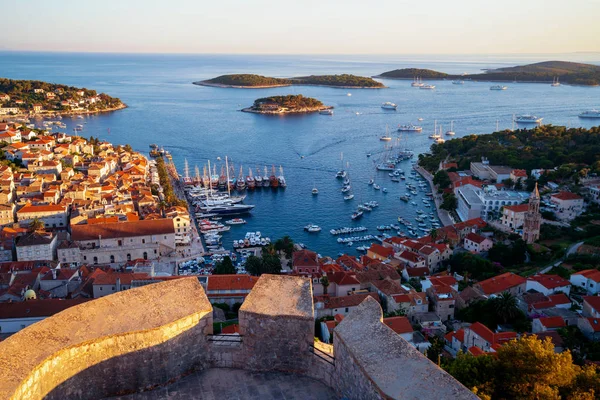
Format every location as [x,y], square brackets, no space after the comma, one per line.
[373,362]
[117,344]
[277,324]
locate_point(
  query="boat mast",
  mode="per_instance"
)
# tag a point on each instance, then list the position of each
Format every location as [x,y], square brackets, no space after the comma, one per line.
[209,180]
[227,168]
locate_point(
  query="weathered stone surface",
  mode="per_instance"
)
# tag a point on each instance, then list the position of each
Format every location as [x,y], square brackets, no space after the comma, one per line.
[277,295]
[373,362]
[137,322]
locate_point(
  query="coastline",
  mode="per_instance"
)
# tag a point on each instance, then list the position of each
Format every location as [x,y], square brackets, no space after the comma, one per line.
[452,77]
[300,111]
[223,86]
[66,113]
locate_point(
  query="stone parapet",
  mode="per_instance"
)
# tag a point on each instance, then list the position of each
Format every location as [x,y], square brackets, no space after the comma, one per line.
[373,362]
[122,343]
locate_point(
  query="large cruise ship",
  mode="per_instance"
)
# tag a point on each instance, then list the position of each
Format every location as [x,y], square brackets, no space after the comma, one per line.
[590,114]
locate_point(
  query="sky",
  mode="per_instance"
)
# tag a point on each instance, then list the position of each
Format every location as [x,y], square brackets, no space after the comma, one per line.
[302,27]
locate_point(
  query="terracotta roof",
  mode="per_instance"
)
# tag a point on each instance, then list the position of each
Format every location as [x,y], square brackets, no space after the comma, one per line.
[592,274]
[566,196]
[125,278]
[230,329]
[350,262]
[443,280]
[36,209]
[389,287]
[34,239]
[399,324]
[594,323]
[593,301]
[410,256]
[483,332]
[305,258]
[459,335]
[348,301]
[550,281]
[476,351]
[417,271]
[231,282]
[521,173]
[381,251]
[122,229]
[519,208]
[343,278]
[36,308]
[552,322]
[473,237]
[501,283]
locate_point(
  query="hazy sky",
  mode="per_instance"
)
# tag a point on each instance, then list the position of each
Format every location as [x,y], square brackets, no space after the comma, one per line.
[308,26]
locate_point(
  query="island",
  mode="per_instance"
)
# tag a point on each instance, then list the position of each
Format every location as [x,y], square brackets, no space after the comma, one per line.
[542,72]
[24,97]
[290,104]
[251,81]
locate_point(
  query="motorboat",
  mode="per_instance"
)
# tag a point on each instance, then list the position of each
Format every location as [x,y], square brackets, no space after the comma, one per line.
[528,119]
[440,140]
[315,191]
[590,114]
[346,189]
[409,128]
[385,138]
[349,197]
[228,209]
[312,228]
[405,198]
[376,186]
[371,181]
[498,87]
[357,214]
[384,190]
[341,174]
[386,166]
[427,86]
[348,94]
[389,106]
[326,112]
[458,82]
[235,221]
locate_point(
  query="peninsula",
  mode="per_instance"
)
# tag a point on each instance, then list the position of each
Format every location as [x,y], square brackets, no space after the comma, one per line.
[543,72]
[24,97]
[290,104]
[251,81]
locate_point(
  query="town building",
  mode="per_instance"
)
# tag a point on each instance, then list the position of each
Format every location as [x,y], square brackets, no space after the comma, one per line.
[53,216]
[36,246]
[548,284]
[513,217]
[506,282]
[533,219]
[588,279]
[477,244]
[568,205]
[485,202]
[305,262]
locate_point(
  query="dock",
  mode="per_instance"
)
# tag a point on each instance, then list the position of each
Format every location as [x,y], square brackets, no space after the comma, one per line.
[443,215]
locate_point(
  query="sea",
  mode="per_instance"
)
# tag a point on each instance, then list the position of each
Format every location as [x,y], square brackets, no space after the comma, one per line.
[198,124]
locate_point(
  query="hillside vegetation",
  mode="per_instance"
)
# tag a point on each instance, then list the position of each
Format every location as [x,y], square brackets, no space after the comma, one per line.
[542,147]
[567,72]
[251,80]
[291,102]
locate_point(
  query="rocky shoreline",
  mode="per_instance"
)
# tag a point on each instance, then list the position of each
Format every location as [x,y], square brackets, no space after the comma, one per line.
[283,111]
[66,113]
[220,85]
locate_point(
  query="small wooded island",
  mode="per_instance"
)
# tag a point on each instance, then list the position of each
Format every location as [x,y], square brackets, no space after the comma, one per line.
[252,81]
[21,97]
[547,71]
[289,104]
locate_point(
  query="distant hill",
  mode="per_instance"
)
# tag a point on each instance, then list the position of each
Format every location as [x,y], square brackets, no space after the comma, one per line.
[567,72]
[259,81]
[286,105]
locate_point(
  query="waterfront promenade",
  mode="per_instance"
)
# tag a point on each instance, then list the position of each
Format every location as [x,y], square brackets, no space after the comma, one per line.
[443,215]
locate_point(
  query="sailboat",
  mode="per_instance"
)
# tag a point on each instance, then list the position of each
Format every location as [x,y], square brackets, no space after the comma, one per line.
[555,82]
[315,191]
[281,178]
[250,182]
[258,179]
[341,174]
[222,180]
[451,131]
[434,135]
[205,178]
[214,178]
[273,179]
[417,82]
[265,178]
[241,183]
[346,188]
[386,137]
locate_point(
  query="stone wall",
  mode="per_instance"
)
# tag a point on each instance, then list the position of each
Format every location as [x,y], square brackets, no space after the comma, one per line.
[373,362]
[122,343]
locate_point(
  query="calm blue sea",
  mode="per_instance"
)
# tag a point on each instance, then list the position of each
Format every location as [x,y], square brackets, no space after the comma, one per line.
[201,123]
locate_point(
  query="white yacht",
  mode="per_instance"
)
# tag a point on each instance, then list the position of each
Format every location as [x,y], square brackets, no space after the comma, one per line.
[458,82]
[498,87]
[427,86]
[590,114]
[389,106]
[326,112]
[409,128]
[315,191]
[555,82]
[528,119]
[348,94]
[312,228]
[417,83]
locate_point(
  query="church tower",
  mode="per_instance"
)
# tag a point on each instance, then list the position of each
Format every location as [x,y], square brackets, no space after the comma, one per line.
[533,218]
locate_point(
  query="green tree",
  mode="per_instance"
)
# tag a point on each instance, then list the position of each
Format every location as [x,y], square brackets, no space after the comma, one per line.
[325,283]
[434,234]
[271,264]
[36,225]
[441,179]
[505,306]
[224,267]
[254,265]
[476,373]
[285,245]
[449,202]
[435,350]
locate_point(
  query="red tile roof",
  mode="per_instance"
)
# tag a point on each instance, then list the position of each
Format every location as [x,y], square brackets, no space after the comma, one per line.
[519,173]
[122,229]
[483,332]
[36,308]
[399,325]
[305,258]
[592,274]
[443,280]
[475,238]
[343,278]
[476,351]
[594,323]
[501,283]
[381,251]
[552,322]
[566,196]
[231,282]
[348,301]
[35,209]
[125,278]
[519,208]
[550,281]
[410,256]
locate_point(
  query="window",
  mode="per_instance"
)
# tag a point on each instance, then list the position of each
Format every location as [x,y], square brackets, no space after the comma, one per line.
[112,259]
[95,260]
[84,258]
[143,240]
[120,243]
[145,256]
[154,251]
[346,309]
[165,237]
[128,257]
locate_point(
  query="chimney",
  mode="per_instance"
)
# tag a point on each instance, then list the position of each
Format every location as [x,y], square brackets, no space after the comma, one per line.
[54,274]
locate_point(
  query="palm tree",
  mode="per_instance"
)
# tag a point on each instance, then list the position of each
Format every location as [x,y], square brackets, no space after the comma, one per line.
[505,306]
[270,250]
[36,225]
[325,283]
[434,234]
